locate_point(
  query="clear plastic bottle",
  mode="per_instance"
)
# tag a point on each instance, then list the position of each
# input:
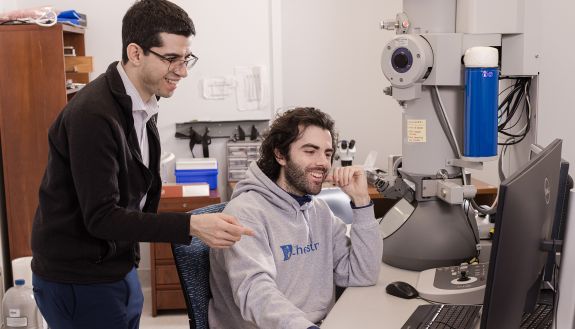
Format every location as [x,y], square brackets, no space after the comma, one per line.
[19,308]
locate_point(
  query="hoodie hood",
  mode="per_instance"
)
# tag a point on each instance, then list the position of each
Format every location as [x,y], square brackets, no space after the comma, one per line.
[260,183]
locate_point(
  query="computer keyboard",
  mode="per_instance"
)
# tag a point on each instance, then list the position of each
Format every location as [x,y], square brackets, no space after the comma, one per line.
[540,318]
[441,316]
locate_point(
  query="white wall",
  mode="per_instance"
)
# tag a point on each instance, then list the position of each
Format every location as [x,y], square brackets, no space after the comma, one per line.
[8,5]
[557,109]
[331,60]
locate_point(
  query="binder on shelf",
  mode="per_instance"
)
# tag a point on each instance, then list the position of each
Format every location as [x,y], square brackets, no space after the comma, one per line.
[171,190]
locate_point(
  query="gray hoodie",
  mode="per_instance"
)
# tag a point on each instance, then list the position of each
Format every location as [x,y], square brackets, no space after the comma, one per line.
[284,276]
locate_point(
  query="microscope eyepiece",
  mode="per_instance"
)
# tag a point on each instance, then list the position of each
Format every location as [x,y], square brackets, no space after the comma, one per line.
[401,60]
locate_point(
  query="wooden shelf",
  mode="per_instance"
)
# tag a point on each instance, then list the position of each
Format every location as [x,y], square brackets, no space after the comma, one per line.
[32,93]
[73,29]
[72,91]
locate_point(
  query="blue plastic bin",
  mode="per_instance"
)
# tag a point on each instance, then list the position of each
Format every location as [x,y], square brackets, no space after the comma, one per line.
[209,176]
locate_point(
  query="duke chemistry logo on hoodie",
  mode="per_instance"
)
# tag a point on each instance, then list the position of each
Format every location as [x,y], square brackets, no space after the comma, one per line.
[295,250]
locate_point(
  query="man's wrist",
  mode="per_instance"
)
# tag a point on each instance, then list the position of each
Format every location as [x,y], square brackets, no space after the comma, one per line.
[361,201]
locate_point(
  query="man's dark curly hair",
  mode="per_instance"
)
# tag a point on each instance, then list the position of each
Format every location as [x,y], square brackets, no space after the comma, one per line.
[285,130]
[146,19]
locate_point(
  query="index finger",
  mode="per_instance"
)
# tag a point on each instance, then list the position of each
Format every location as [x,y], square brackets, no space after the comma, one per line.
[329,177]
[237,229]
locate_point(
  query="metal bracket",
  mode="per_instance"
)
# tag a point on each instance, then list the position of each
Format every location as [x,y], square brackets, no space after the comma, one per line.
[465,164]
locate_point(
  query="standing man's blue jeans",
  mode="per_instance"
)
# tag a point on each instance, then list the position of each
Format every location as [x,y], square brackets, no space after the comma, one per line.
[114,305]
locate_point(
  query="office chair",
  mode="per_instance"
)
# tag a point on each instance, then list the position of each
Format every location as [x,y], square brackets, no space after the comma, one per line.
[193,267]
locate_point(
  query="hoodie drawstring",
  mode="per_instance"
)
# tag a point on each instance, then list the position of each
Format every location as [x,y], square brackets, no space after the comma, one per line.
[305,211]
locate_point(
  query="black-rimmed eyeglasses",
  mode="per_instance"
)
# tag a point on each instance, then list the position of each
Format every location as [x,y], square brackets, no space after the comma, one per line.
[176,63]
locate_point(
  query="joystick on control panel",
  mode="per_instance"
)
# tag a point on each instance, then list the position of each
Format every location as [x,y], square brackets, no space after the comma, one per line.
[463,273]
[463,284]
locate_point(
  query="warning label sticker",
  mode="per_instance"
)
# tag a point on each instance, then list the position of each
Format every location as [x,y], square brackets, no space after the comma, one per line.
[416,131]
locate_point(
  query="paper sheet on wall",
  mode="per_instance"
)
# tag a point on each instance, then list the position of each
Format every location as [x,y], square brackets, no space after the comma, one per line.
[218,88]
[252,88]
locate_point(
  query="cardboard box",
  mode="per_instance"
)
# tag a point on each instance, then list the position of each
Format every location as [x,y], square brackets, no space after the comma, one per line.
[171,190]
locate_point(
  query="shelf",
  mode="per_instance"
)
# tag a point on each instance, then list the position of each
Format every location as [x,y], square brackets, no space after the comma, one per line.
[73,29]
[72,91]
[39,99]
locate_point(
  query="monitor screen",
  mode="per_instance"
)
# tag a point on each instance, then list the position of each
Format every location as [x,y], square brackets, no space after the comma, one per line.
[525,213]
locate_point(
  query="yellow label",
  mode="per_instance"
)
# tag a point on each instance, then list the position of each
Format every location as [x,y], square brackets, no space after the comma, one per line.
[416,131]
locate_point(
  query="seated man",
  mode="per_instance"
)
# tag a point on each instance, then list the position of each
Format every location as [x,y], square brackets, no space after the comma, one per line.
[284,276]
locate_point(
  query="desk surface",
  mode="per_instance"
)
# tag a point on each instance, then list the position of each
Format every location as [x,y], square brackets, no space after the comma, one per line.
[372,308]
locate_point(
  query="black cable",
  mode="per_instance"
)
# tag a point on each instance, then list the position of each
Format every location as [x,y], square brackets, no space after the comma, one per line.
[556,289]
[442,303]
[509,107]
[528,124]
[14,22]
[504,106]
[429,301]
[512,125]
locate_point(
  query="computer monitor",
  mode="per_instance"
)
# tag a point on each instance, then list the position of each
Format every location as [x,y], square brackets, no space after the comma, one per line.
[525,214]
[560,221]
[560,218]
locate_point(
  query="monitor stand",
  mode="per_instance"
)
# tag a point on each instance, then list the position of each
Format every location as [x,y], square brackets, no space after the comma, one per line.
[464,284]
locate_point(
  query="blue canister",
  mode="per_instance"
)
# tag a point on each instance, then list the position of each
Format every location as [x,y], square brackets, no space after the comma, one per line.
[481,102]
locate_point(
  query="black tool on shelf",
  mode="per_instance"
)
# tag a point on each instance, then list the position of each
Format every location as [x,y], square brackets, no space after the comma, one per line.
[218,129]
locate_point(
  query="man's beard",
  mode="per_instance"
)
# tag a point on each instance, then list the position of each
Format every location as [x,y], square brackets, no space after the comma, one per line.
[296,178]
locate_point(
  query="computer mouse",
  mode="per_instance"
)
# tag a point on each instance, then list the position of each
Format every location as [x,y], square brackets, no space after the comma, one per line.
[402,290]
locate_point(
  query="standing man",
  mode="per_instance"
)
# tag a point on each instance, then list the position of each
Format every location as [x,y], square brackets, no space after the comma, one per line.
[284,277]
[101,187]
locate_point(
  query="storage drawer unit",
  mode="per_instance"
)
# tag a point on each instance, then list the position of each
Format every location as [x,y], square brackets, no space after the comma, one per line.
[239,156]
[166,289]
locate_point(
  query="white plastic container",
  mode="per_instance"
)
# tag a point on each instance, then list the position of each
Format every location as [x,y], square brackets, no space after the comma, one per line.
[19,310]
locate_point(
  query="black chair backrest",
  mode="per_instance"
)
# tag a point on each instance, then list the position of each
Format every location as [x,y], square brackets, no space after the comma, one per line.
[193,266]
